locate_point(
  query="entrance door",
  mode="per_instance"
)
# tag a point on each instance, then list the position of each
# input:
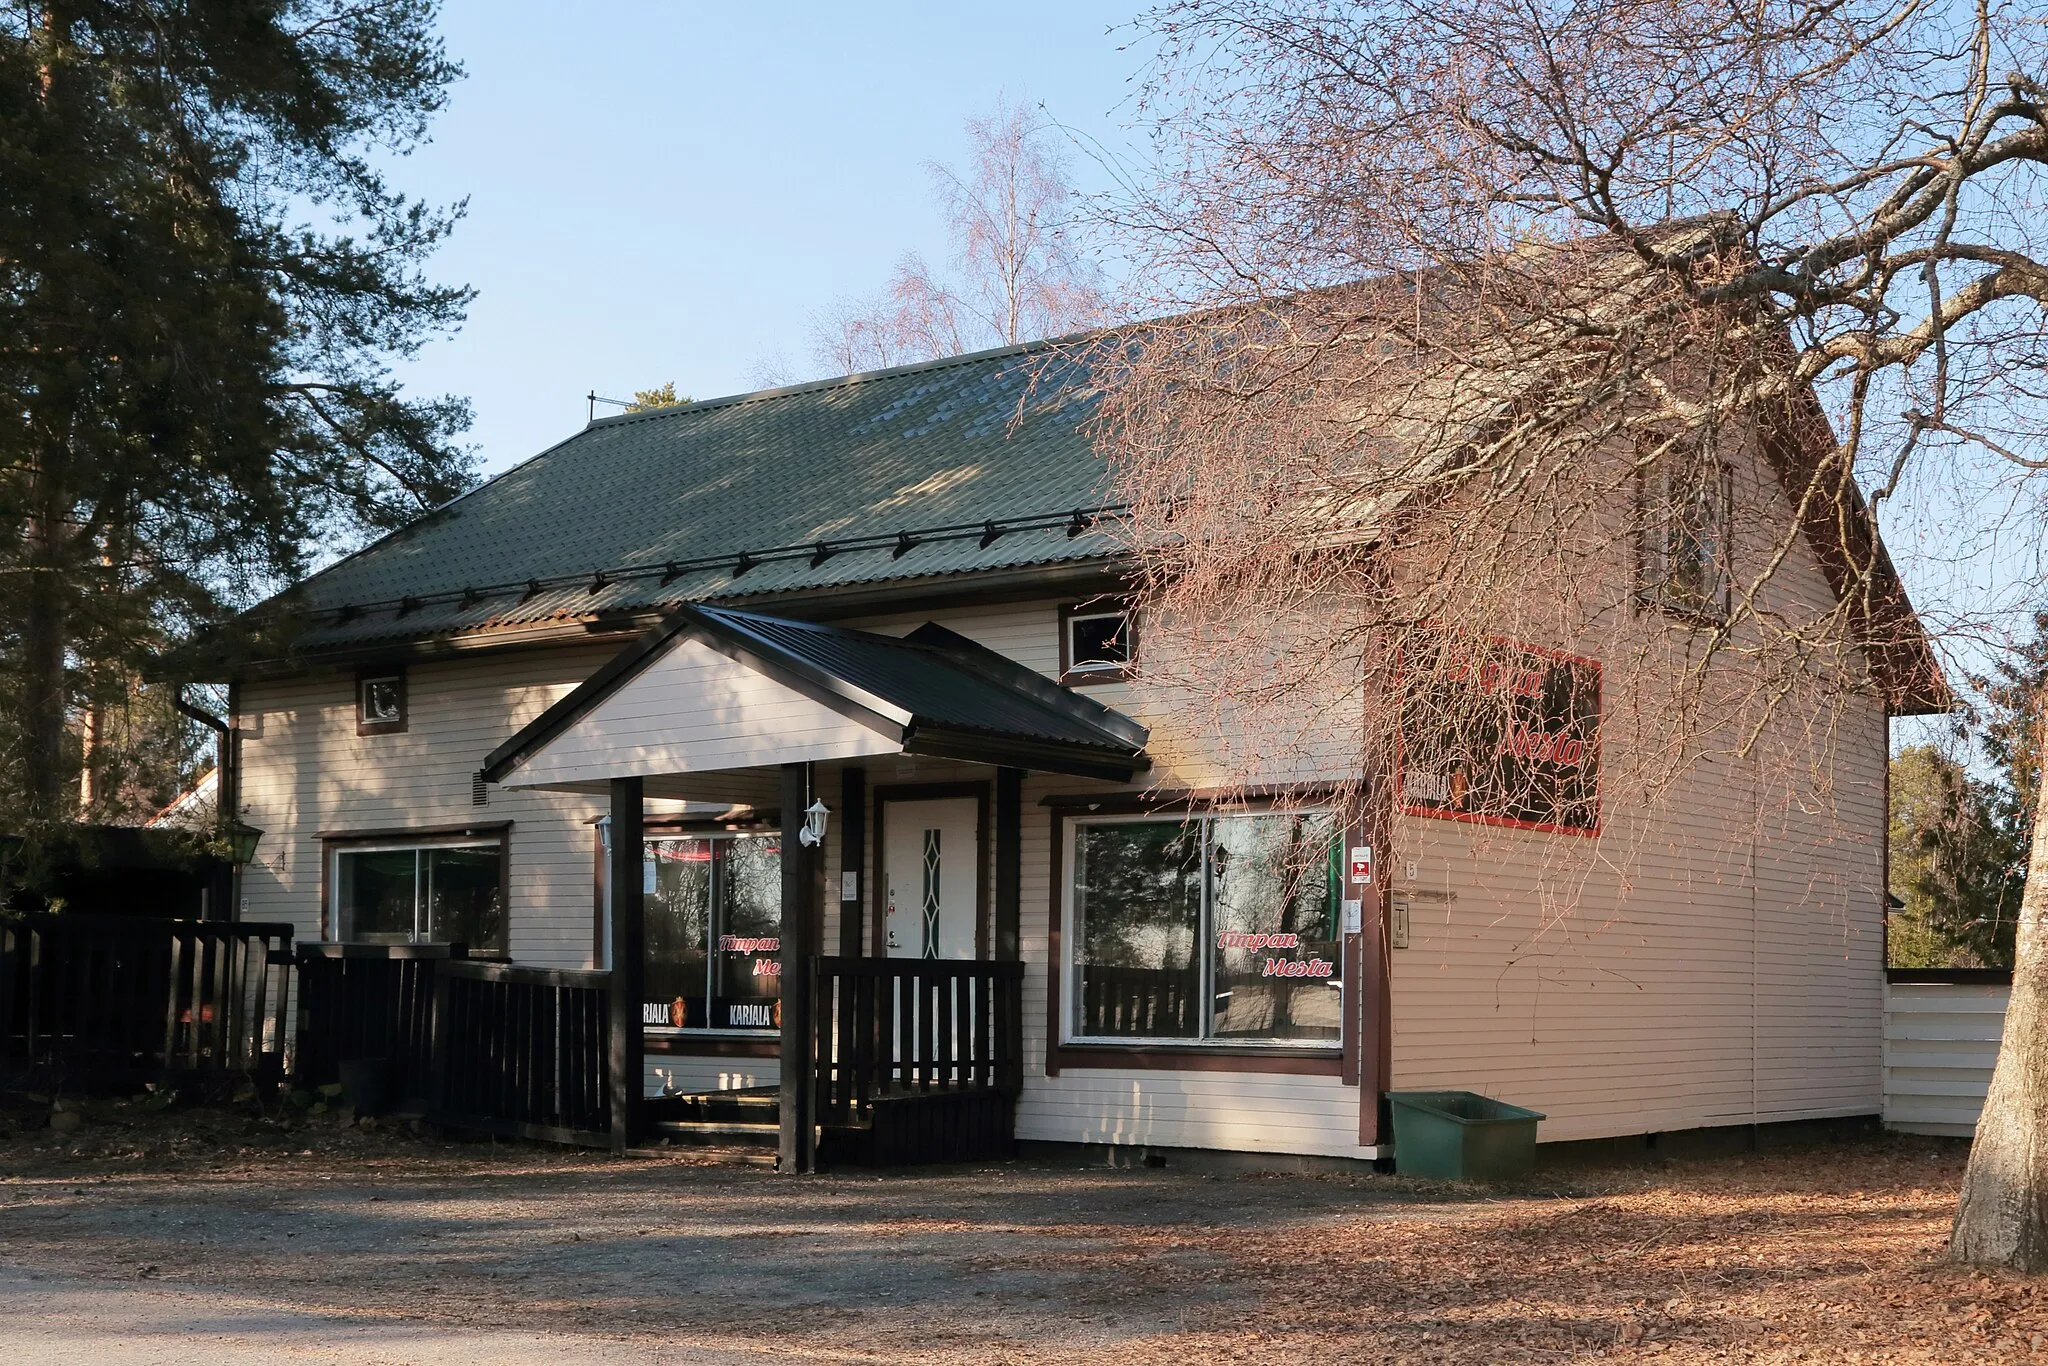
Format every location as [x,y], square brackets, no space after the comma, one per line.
[931,877]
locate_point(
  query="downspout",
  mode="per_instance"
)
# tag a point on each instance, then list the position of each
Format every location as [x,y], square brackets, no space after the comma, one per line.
[226,798]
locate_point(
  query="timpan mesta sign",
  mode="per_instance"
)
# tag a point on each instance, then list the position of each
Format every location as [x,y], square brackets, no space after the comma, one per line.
[1500,732]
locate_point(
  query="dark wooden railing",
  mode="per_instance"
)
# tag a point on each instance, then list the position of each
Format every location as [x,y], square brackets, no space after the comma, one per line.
[926,1057]
[521,1052]
[372,1001]
[109,1001]
[911,1026]
[1138,1003]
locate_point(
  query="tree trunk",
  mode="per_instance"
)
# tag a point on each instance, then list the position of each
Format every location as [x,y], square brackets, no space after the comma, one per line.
[45,622]
[44,695]
[92,730]
[2002,1219]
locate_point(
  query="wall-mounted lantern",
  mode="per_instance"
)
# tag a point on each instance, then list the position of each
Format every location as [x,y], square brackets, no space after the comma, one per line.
[241,839]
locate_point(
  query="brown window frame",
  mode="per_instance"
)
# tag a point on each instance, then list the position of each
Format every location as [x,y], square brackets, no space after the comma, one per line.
[1656,513]
[1096,607]
[1318,1060]
[655,1040]
[365,726]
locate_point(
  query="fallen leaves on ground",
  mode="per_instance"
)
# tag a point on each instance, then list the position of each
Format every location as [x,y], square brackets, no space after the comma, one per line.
[1831,1254]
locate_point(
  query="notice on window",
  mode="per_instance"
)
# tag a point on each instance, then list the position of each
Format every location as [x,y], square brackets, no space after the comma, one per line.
[1503,733]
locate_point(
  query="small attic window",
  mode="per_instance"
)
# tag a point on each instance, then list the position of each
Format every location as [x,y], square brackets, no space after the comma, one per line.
[380,703]
[1685,510]
[1098,641]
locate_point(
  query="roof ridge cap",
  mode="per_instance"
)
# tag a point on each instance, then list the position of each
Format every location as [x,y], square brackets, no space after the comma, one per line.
[933,366]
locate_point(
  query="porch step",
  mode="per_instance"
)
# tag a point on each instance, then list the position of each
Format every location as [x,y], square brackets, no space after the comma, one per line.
[703,1131]
[754,1105]
[751,1117]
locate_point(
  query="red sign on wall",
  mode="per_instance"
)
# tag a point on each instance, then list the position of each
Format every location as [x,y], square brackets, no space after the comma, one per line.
[1503,733]
[1361,864]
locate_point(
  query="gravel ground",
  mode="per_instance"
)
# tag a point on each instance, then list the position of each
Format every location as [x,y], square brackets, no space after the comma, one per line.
[226,1237]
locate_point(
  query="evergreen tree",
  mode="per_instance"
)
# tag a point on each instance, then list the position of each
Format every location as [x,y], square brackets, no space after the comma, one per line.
[204,279]
[1958,861]
[2009,719]
[665,396]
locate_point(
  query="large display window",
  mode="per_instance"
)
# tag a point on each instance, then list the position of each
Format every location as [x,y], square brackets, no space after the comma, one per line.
[713,917]
[1205,929]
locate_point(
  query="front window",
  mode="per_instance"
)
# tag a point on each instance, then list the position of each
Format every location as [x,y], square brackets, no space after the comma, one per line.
[1222,929]
[421,894]
[714,932]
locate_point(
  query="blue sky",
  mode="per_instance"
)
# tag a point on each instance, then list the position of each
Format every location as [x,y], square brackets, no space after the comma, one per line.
[668,191]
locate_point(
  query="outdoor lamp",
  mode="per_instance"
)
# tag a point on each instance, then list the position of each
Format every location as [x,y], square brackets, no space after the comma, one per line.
[813,833]
[241,838]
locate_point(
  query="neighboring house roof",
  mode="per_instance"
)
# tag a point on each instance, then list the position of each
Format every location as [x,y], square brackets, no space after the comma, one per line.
[192,809]
[932,693]
[970,464]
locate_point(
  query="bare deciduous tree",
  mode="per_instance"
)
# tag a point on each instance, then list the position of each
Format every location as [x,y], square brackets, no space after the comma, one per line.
[1488,314]
[1019,273]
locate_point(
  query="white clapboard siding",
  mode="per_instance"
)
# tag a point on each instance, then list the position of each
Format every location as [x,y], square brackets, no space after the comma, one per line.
[305,771]
[1714,968]
[1714,961]
[1940,1042]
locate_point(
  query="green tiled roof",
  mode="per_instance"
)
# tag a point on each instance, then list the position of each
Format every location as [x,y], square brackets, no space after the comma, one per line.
[968,464]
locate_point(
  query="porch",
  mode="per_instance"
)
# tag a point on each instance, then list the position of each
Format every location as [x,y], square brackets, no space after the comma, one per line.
[908,1060]
[756,734]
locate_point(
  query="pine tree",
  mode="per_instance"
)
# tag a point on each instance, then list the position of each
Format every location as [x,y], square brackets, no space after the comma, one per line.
[204,278]
[1959,862]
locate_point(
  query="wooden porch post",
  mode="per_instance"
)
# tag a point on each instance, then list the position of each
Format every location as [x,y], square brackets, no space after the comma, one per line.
[799,942]
[1372,969]
[1009,864]
[853,847]
[626,936]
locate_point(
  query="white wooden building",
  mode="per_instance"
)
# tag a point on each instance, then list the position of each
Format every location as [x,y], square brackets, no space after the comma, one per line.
[696,599]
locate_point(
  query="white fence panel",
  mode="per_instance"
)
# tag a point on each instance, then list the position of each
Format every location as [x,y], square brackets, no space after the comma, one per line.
[1940,1041]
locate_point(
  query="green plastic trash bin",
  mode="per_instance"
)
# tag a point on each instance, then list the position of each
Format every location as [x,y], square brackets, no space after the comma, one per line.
[1460,1136]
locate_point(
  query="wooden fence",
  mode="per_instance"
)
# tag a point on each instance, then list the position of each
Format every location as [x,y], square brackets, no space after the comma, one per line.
[914,1060]
[370,1001]
[108,1002]
[475,1045]
[1941,1034]
[521,1051]
[889,1027]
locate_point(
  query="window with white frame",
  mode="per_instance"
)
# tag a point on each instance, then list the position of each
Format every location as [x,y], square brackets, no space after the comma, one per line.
[439,892]
[1098,641]
[1205,929]
[1685,509]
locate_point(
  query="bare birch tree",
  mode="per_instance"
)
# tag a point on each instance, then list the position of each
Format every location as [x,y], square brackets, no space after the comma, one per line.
[1473,303]
[1019,273]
